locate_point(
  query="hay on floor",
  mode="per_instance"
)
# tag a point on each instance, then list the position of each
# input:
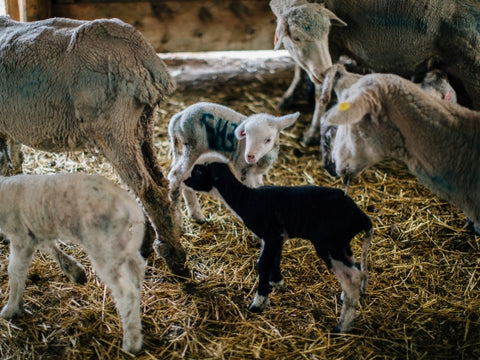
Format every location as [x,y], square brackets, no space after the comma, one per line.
[422,301]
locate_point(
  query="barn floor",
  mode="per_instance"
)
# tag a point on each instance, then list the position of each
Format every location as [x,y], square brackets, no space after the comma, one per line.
[423,299]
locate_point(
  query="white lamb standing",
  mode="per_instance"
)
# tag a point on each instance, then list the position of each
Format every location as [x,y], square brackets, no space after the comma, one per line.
[38,210]
[68,85]
[250,143]
[385,116]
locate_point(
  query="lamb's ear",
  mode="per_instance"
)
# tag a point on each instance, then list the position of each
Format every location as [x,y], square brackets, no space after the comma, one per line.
[280,32]
[349,111]
[334,19]
[287,120]
[240,131]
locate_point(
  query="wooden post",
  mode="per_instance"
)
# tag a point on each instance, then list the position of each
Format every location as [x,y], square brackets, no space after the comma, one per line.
[32,10]
[12,9]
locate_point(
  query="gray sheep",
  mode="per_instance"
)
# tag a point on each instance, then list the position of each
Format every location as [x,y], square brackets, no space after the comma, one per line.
[394,118]
[105,220]
[69,85]
[407,38]
[250,143]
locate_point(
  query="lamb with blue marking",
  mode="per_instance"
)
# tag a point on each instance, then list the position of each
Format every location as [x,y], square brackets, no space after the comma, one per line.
[325,216]
[250,143]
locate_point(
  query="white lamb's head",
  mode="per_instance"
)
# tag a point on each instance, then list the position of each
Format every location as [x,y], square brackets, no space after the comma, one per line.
[261,133]
[303,30]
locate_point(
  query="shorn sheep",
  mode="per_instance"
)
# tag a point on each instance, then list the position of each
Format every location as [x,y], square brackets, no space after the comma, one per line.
[394,118]
[407,38]
[69,85]
[325,216]
[250,143]
[90,210]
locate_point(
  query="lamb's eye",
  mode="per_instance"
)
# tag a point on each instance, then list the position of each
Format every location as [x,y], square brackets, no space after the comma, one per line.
[267,141]
[295,38]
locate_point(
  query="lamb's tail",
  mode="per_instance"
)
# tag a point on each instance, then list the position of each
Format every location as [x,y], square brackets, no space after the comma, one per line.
[364,257]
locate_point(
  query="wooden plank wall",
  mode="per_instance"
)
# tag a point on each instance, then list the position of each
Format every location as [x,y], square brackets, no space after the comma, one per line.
[171,26]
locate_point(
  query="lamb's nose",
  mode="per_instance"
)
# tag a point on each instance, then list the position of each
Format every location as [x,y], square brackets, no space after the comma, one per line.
[250,158]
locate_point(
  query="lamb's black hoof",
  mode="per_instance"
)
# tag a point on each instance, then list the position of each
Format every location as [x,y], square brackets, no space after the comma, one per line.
[254,309]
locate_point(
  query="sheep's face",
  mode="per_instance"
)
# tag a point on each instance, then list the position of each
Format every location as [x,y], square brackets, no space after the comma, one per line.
[364,134]
[261,134]
[200,179]
[354,149]
[303,31]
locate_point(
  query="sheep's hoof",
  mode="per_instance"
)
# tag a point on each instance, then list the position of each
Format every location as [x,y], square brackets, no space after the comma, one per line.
[174,258]
[309,140]
[259,303]
[11,312]
[336,331]
[254,309]
[79,278]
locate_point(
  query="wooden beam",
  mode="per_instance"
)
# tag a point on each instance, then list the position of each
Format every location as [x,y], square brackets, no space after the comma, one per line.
[194,71]
[188,25]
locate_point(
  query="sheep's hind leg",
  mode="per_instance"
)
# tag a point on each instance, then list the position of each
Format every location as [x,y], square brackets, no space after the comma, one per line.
[350,278]
[70,267]
[124,278]
[21,254]
[132,168]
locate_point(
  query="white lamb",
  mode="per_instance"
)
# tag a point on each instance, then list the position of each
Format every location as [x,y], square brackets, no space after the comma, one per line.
[250,143]
[37,210]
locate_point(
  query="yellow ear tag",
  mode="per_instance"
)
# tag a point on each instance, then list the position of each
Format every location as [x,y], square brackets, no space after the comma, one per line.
[344,106]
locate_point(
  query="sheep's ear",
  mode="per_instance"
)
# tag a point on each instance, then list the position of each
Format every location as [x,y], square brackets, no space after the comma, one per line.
[349,111]
[334,19]
[287,120]
[240,131]
[280,32]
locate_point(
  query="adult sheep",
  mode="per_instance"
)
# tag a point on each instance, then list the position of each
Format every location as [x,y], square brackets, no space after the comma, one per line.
[407,37]
[385,116]
[69,85]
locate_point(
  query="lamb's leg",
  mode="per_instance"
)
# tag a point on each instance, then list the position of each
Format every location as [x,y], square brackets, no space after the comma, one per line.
[350,278]
[21,253]
[70,267]
[177,173]
[265,265]
[276,278]
[124,278]
[16,156]
[5,161]
[193,205]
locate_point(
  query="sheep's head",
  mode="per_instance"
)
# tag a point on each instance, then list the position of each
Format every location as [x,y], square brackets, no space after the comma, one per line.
[206,172]
[261,133]
[364,135]
[303,30]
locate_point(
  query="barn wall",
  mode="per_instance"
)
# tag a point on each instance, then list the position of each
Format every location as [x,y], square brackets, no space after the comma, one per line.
[172,26]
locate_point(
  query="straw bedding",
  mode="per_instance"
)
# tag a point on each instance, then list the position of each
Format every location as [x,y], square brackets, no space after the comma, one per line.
[422,302]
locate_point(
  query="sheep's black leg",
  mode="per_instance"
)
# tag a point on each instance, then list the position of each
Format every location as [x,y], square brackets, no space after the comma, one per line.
[265,266]
[276,278]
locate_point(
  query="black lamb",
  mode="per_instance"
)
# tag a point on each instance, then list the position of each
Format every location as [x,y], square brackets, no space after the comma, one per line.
[325,216]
